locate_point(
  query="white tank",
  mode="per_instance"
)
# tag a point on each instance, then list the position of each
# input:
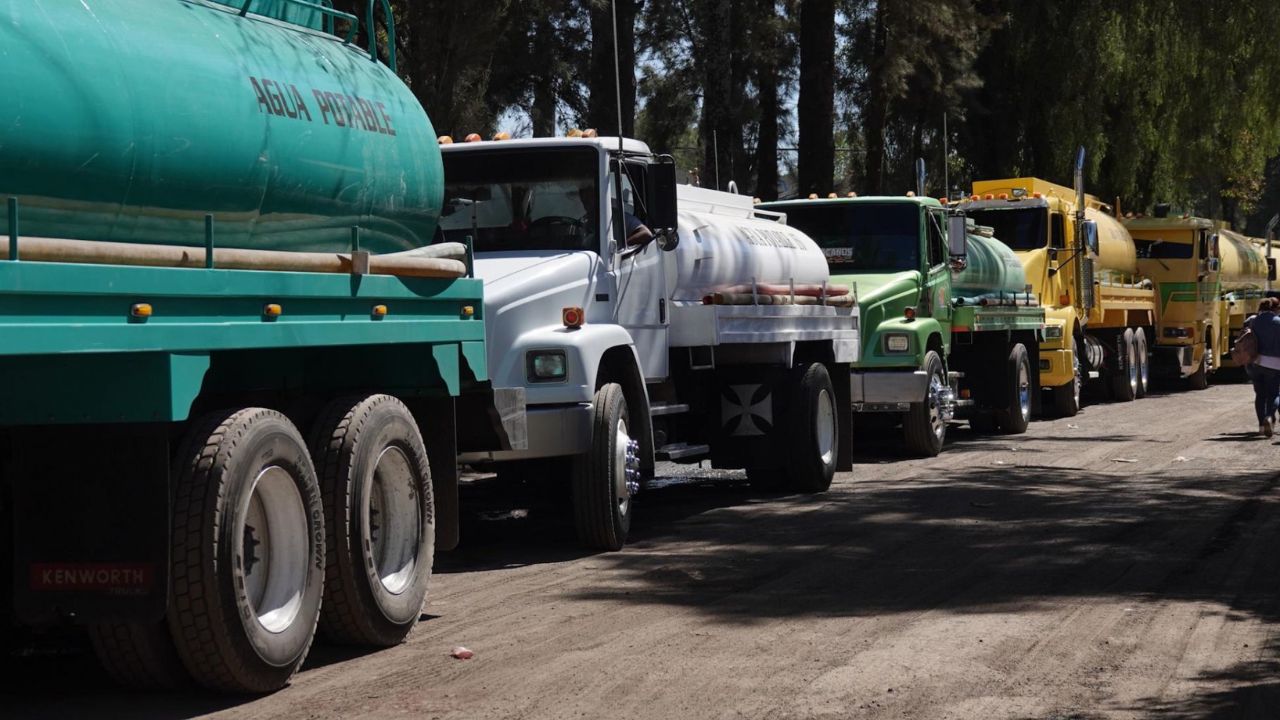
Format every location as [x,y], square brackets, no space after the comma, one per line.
[724,243]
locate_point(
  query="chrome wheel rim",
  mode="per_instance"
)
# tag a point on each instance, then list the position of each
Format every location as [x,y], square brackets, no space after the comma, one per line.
[1024,391]
[274,550]
[826,427]
[937,411]
[1133,367]
[1077,382]
[393,520]
[626,467]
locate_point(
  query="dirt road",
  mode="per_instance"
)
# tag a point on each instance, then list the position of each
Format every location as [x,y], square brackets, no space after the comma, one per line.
[1121,564]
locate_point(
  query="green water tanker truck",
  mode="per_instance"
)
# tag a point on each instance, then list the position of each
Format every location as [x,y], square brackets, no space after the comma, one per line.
[236,379]
[948,329]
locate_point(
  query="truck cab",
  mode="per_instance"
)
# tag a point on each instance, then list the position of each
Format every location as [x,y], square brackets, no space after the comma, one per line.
[1181,256]
[610,297]
[945,328]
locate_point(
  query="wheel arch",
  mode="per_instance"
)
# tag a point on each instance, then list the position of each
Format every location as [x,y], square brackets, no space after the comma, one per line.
[619,364]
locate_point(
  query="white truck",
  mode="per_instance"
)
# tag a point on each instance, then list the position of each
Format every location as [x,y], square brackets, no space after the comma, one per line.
[679,347]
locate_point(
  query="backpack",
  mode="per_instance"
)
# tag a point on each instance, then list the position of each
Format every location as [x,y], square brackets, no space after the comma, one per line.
[1245,351]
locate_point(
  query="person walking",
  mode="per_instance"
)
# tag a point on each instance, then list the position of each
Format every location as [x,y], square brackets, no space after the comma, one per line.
[1266,369]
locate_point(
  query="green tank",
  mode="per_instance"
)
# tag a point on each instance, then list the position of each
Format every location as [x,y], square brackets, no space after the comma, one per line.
[128,121]
[992,267]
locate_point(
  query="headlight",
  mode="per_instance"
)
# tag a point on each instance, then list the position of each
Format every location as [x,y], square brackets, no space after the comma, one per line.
[1053,332]
[897,343]
[546,365]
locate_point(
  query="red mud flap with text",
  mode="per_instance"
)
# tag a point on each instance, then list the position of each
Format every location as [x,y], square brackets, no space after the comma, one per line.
[90,519]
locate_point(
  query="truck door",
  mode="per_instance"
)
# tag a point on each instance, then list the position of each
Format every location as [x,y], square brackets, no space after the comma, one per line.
[938,281]
[644,281]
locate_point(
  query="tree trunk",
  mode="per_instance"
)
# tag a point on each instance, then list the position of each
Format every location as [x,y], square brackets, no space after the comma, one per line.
[877,110]
[816,112]
[542,115]
[602,109]
[767,81]
[716,95]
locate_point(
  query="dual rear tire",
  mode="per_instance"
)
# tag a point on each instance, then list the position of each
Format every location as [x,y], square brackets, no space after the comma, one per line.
[260,542]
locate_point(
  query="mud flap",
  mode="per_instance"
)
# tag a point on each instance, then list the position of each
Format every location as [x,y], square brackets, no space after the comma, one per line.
[90,522]
[745,430]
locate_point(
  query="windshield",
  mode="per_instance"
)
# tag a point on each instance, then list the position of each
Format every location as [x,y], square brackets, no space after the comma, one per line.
[526,199]
[1021,229]
[1164,249]
[862,237]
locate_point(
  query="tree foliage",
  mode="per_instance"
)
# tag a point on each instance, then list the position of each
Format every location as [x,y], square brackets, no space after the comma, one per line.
[1174,99]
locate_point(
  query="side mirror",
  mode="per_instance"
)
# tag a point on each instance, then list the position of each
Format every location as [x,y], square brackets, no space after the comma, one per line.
[958,236]
[1215,246]
[1271,269]
[1089,230]
[660,192]
[1213,265]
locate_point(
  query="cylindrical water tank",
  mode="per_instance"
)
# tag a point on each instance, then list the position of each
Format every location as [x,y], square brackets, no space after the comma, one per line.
[991,267]
[1116,250]
[1244,265]
[727,245]
[128,121]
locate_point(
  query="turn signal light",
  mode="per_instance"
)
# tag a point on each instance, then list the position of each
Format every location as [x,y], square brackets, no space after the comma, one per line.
[468,311]
[1064,300]
[909,313]
[573,317]
[272,310]
[379,311]
[141,311]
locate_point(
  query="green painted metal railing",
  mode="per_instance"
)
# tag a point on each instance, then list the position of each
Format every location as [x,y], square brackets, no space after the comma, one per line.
[330,15]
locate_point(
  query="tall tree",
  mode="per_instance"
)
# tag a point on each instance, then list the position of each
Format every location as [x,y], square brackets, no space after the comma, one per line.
[770,56]
[607,81]
[816,106]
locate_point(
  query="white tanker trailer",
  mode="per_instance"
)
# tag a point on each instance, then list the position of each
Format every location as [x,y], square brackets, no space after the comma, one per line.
[716,338]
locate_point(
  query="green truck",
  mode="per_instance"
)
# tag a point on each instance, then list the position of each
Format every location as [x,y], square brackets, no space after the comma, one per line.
[236,378]
[948,328]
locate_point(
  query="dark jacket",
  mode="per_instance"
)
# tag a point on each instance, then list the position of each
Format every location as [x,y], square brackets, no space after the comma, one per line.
[1266,326]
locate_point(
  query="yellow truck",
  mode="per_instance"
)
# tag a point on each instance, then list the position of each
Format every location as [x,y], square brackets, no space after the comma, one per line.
[1082,265]
[1209,279]
[1244,279]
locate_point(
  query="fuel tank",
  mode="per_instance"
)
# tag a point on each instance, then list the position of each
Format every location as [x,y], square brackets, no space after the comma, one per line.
[1244,266]
[991,267]
[1116,250]
[128,121]
[724,242]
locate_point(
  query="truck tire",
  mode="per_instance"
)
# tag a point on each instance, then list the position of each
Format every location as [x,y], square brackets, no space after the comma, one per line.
[814,429]
[379,520]
[1124,381]
[1016,415]
[1066,398]
[1199,380]
[1144,361]
[139,656]
[924,426]
[247,568]
[605,477]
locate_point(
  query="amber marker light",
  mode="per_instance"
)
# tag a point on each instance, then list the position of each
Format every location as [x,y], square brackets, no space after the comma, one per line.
[502,136]
[572,317]
[272,310]
[474,137]
[379,312]
[909,313]
[141,311]
[468,311]
[1064,300]
[444,140]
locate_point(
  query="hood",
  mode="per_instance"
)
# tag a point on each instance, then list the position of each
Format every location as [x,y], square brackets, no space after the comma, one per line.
[875,288]
[518,278]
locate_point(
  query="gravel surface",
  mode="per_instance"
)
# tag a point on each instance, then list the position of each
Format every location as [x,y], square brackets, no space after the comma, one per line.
[1120,564]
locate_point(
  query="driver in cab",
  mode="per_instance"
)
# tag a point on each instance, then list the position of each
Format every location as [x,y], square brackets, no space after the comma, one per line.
[637,232]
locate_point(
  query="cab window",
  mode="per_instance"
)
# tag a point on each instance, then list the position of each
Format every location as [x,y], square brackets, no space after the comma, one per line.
[937,240]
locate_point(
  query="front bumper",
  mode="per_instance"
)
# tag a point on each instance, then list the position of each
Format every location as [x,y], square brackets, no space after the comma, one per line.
[554,431]
[887,391]
[1056,368]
